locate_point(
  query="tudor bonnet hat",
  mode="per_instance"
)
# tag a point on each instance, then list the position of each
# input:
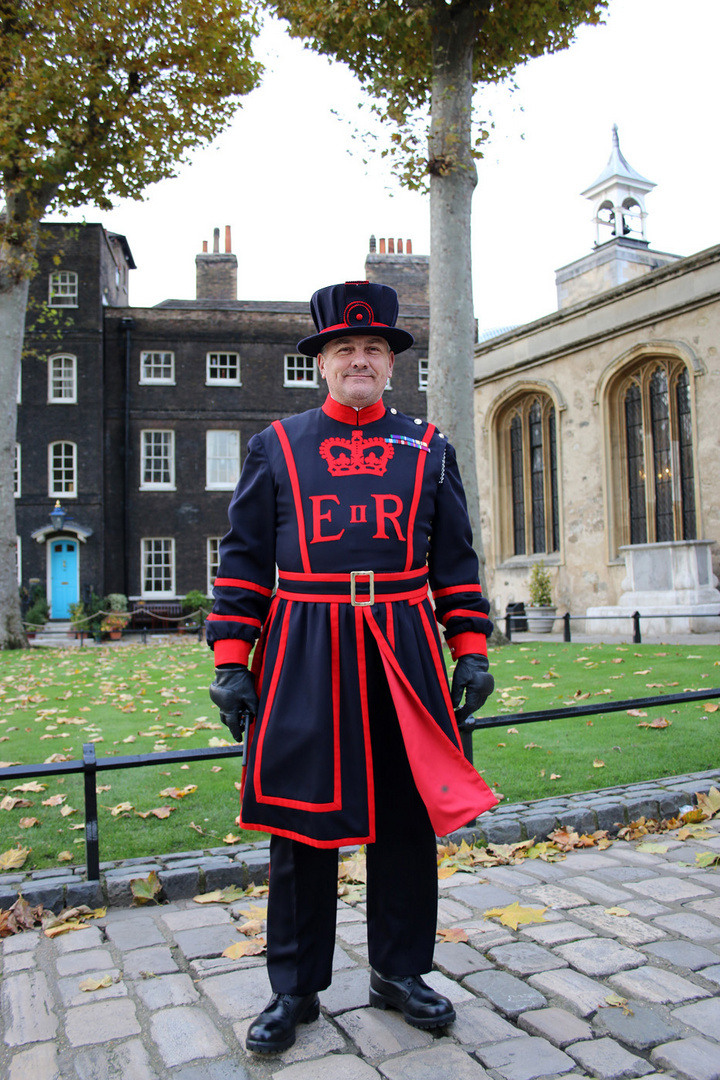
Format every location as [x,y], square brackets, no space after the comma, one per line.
[355,307]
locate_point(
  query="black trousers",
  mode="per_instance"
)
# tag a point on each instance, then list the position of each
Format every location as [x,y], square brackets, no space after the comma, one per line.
[401,887]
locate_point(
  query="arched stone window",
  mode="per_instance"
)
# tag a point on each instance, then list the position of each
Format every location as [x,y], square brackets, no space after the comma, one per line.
[527,457]
[653,459]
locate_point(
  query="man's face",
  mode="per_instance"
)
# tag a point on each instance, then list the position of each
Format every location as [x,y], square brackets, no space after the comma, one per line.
[356,368]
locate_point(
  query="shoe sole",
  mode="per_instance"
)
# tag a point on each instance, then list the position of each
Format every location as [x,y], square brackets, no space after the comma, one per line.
[379,1001]
[277,1048]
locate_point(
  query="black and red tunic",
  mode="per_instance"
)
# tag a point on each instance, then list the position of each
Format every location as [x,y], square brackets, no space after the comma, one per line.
[359,511]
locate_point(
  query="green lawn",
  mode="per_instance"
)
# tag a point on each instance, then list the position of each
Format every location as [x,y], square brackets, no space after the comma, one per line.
[143,698]
[600,751]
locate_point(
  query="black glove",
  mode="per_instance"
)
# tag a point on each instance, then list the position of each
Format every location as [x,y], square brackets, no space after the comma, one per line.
[233,691]
[472,675]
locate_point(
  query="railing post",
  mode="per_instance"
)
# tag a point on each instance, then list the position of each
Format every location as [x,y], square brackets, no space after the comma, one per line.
[508,627]
[92,845]
[637,639]
[566,627]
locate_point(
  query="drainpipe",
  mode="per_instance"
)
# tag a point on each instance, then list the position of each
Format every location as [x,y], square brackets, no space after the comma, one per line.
[126,326]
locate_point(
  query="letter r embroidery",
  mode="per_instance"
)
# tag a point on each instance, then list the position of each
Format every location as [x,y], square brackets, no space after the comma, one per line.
[384,515]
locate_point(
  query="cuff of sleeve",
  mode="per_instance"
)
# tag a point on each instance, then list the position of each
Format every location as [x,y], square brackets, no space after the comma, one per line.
[232,651]
[462,644]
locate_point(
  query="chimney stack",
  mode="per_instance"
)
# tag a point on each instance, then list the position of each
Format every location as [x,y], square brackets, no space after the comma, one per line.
[408,274]
[216,272]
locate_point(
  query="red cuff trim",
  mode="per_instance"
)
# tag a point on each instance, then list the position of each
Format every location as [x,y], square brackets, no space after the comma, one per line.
[232,651]
[462,644]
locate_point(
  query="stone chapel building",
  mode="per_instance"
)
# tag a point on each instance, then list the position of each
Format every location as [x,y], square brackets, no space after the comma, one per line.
[598,426]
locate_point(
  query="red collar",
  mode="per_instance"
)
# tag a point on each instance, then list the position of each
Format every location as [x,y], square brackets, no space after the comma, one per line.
[347,415]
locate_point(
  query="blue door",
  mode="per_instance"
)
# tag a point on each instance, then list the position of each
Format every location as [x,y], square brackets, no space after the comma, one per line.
[63,577]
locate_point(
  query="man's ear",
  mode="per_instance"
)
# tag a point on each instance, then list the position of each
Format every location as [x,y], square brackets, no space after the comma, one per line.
[321,364]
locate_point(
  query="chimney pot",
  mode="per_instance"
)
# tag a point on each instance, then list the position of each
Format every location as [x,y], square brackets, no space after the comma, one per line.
[391,246]
[204,247]
[228,242]
[409,247]
[372,245]
[400,247]
[216,241]
[382,245]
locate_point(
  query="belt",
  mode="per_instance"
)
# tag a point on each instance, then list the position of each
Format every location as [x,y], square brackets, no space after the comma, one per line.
[361,588]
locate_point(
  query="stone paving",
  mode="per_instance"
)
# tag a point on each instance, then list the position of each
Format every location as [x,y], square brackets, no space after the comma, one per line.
[531,1004]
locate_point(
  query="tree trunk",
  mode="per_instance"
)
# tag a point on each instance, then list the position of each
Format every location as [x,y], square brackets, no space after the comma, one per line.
[15,269]
[453,177]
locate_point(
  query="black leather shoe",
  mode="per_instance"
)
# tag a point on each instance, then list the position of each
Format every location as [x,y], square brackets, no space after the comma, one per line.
[274,1029]
[420,1005]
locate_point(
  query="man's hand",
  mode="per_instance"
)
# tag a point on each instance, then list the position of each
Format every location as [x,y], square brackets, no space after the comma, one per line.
[233,691]
[472,676]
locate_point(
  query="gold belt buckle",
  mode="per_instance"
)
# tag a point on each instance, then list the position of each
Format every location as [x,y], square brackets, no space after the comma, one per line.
[370,575]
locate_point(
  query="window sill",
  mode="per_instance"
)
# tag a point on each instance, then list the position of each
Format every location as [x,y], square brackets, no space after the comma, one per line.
[157,487]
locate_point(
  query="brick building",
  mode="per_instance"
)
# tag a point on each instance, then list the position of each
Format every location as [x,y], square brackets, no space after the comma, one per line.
[137,419]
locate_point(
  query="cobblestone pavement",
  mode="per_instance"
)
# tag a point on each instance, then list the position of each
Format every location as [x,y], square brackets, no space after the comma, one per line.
[530,1003]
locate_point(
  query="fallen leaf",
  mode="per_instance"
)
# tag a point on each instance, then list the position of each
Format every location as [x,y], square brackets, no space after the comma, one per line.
[712,707]
[707,858]
[32,786]
[28,822]
[121,808]
[231,838]
[145,889]
[446,872]
[14,858]
[251,928]
[11,803]
[618,1002]
[658,722]
[556,776]
[220,896]
[635,712]
[245,948]
[65,856]
[619,911]
[598,763]
[709,803]
[653,847]
[514,915]
[178,793]
[90,984]
[452,934]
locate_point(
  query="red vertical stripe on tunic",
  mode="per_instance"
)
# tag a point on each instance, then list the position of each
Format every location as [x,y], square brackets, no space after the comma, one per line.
[419,471]
[295,484]
[362,675]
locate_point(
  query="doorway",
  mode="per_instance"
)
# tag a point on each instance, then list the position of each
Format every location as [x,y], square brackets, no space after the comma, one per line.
[64,587]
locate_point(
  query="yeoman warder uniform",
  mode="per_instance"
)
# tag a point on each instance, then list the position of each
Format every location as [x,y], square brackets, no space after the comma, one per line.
[341,520]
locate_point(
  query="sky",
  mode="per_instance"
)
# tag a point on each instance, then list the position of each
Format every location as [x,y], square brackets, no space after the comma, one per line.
[289,178]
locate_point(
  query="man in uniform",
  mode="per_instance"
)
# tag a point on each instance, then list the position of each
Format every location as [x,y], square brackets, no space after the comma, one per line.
[352,737]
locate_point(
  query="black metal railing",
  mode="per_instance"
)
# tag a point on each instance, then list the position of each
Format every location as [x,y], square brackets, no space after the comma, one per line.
[469,724]
[90,765]
[518,621]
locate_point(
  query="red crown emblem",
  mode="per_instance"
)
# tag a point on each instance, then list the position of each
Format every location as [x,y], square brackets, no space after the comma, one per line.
[349,457]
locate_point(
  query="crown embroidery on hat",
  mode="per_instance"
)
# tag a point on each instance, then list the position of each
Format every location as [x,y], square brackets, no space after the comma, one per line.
[350,457]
